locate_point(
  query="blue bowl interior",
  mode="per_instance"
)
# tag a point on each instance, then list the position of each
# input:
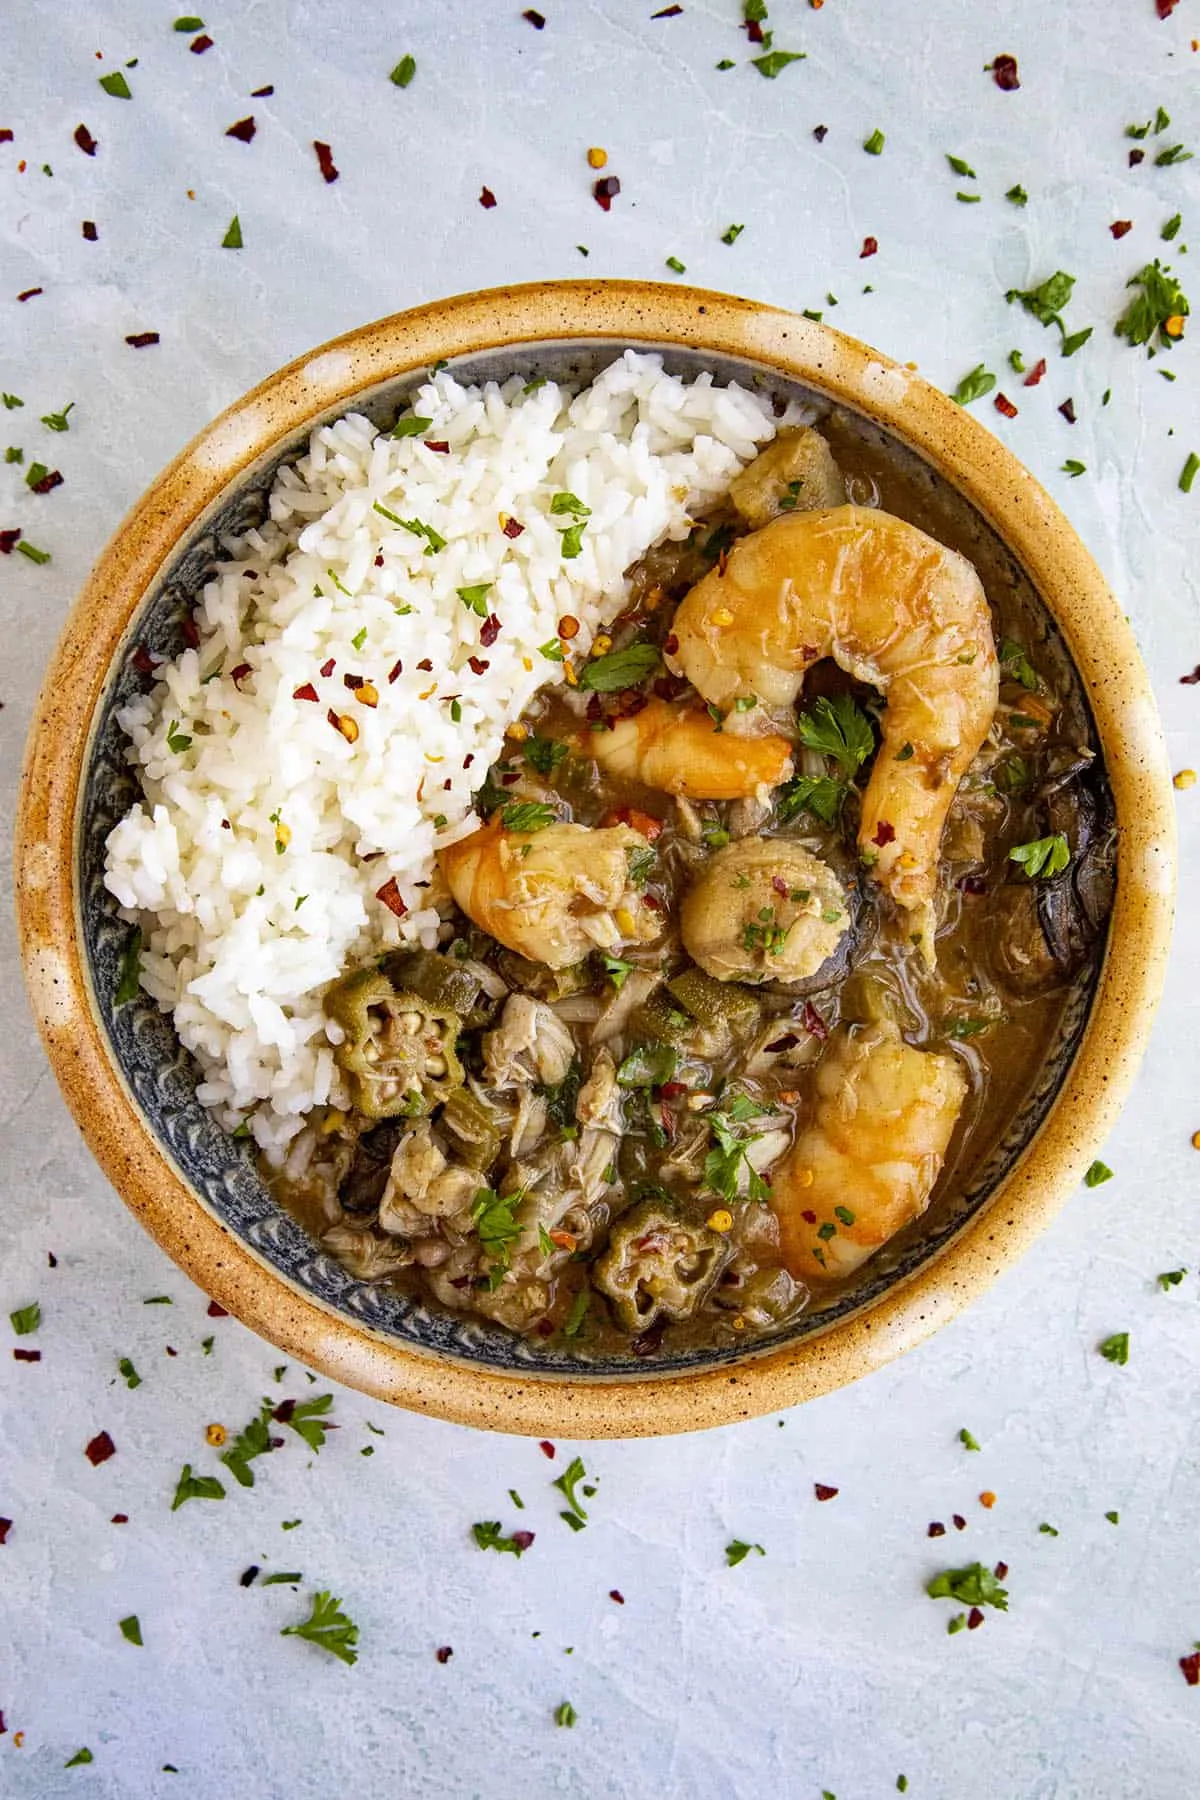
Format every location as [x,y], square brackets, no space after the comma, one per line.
[162,1076]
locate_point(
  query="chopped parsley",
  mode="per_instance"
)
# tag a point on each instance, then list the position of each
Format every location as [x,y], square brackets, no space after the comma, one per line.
[497,1229]
[572,540]
[961,168]
[578,1312]
[570,505]
[1047,1530]
[526,815]
[565,1714]
[328,1627]
[641,866]
[620,669]
[1157,125]
[433,539]
[972,1586]
[58,421]
[774,61]
[475,598]
[131,1630]
[254,1440]
[1188,472]
[1170,1278]
[126,1368]
[839,729]
[648,1065]
[80,1756]
[26,1319]
[968,1440]
[1097,1175]
[738,1552]
[403,72]
[488,1536]
[1115,1349]
[195,1487]
[177,740]
[1044,857]
[233,235]
[725,1163]
[819,794]
[1015,664]
[544,754]
[567,1484]
[732,234]
[1160,302]
[1072,467]
[874,144]
[1166,159]
[116,85]
[359,638]
[1114,1518]
[412,426]
[974,386]
[32,552]
[616,969]
[553,651]
[1047,300]
[675,266]
[1017,195]
[1171,229]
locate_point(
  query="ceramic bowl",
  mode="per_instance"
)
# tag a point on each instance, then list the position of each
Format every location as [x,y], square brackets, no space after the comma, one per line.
[131,1087]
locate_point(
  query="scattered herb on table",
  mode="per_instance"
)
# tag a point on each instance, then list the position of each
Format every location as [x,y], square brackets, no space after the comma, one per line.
[1115,1349]
[738,1551]
[1047,1530]
[116,85]
[1188,472]
[195,1487]
[1161,307]
[1017,195]
[403,72]
[328,1627]
[1073,468]
[307,1419]
[961,168]
[26,1319]
[565,1714]
[1171,1278]
[80,1756]
[732,233]
[252,1441]
[676,267]
[972,1586]
[132,1378]
[775,61]
[233,235]
[974,386]
[488,1536]
[567,1483]
[967,1440]
[58,421]
[1097,1174]
[131,1630]
[1114,1518]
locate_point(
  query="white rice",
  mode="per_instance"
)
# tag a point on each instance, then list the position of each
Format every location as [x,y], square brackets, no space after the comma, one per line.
[254,861]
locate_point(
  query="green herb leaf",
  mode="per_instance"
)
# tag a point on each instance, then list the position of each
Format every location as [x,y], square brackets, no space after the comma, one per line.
[732,234]
[1016,665]
[775,61]
[1161,298]
[307,1420]
[874,144]
[126,1368]
[195,1487]
[1188,472]
[1166,159]
[14,454]
[26,1319]
[676,267]
[433,539]
[328,1627]
[553,651]
[233,235]
[403,72]
[177,740]
[1114,1518]
[1017,195]
[578,1313]
[1074,468]
[412,425]
[974,386]
[840,729]
[496,1226]
[253,1441]
[968,199]
[1047,1530]
[475,598]
[968,1441]
[1043,856]
[620,669]
[526,815]
[1171,229]
[1046,301]
[131,1630]
[1075,340]
[972,1586]
[1016,362]
[488,1537]
[58,421]
[572,540]
[32,552]
[283,1577]
[1115,1349]
[1097,1175]
[960,1029]
[567,1484]
[616,969]
[648,1065]
[188,23]
[116,85]
[567,503]
[962,168]
[565,1714]
[738,1552]
[80,1756]
[543,754]
[818,794]
[1171,1278]
[36,472]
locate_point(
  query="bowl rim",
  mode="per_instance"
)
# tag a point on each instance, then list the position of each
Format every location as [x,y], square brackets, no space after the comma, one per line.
[629,313]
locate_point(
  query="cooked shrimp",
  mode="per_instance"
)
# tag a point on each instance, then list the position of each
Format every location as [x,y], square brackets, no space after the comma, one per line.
[796,473]
[551,895]
[893,608]
[684,750]
[763,909]
[867,1161]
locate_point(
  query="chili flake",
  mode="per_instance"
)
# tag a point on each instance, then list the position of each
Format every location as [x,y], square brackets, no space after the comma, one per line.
[512,528]
[547,1449]
[489,631]
[325,160]
[605,191]
[89,231]
[535,18]
[327,668]
[5,1528]
[870,248]
[100,1449]
[307,692]
[389,894]
[199,45]
[1120,227]
[1004,72]
[141,340]
[444,1653]
[1190,1664]
[486,198]
[263,93]
[1035,374]
[1067,409]
[885,834]
[1004,405]
[85,140]
[243,131]
[824,1493]
[936,1529]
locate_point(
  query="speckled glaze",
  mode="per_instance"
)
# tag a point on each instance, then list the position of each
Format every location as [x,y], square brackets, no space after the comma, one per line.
[131,1086]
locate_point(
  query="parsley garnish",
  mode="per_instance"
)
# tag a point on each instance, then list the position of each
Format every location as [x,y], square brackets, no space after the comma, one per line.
[544,754]
[819,794]
[1114,1518]
[1115,1349]
[1160,300]
[578,1313]
[1188,472]
[567,503]
[874,144]
[403,72]
[972,1586]
[572,540]
[641,864]
[26,1319]
[195,1487]
[475,598]
[774,61]
[738,1552]
[254,1440]
[58,421]
[1171,229]
[1047,300]
[732,234]
[413,426]
[328,1627]
[839,729]
[433,539]
[1097,1174]
[233,235]
[306,1419]
[1072,467]
[177,740]
[620,669]
[724,1165]
[497,1228]
[553,651]
[675,266]
[648,1065]
[616,969]
[526,815]
[974,386]
[565,1714]
[968,1440]
[11,402]
[566,1484]
[961,168]
[131,1630]
[80,1756]
[1043,856]
[1015,663]
[1166,159]
[488,1537]
[126,1368]
[32,552]
[1171,1278]
[1047,1530]
[116,85]
[359,638]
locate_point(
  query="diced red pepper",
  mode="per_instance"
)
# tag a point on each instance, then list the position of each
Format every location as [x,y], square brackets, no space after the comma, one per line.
[1004,405]
[200,44]
[824,1493]
[389,893]
[325,160]
[327,668]
[870,248]
[1120,227]
[1035,374]
[813,1023]
[100,1449]
[307,692]
[1191,1668]
[512,528]
[489,631]
[438,444]
[141,340]
[1004,73]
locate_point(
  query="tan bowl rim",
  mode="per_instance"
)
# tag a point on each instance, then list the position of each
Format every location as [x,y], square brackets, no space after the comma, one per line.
[627,313]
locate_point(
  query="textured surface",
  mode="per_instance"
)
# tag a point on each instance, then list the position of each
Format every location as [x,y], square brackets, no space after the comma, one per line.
[822,1666]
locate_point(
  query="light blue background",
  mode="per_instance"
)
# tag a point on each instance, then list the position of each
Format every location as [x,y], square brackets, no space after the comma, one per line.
[822,1665]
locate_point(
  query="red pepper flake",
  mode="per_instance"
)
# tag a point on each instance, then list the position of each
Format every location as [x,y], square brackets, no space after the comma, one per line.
[1191,1668]
[171,1352]
[1000,1571]
[143,661]
[27,1356]
[263,93]
[1035,374]
[960,1524]
[100,1449]
[667,12]
[605,191]
[753,30]
[780,885]
[813,1023]
[352,681]
[6,136]
[886,833]
[535,19]
[307,692]
[141,340]
[617,1595]
[1067,409]
[200,44]
[489,631]
[1165,7]
[48,483]
[973,886]
[1192,680]
[425,665]
[673,1090]
[389,894]
[189,631]
[523,1539]
[486,198]
[327,668]
[974,1619]
[478,664]
[809,1216]
[1119,227]
[512,528]
[379,560]
[936,1529]
[820,132]
[5,1528]
[870,248]
[547,1449]
[439,444]
[85,140]
[244,130]
[238,675]
[444,1653]
[30,293]
[215,1311]
[824,1493]
[1136,157]
[10,539]
[396,670]
[325,160]
[1004,73]
[89,231]
[1004,405]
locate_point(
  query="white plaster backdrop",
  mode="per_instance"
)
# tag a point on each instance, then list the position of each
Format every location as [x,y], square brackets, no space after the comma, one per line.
[821,1666]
